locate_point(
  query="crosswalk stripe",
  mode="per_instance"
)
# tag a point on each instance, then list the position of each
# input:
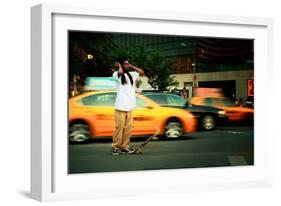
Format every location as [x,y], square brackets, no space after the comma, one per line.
[237,160]
[234,132]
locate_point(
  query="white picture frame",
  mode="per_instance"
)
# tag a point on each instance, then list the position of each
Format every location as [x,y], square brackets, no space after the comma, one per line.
[49,178]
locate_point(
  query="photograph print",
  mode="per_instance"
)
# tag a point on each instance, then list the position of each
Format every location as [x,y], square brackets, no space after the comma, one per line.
[139,102]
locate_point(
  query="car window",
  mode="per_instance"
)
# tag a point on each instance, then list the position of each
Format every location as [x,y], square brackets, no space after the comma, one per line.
[219,102]
[175,100]
[106,99]
[228,102]
[140,102]
[208,102]
[160,99]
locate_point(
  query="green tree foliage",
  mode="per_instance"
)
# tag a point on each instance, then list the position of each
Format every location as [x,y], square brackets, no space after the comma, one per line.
[157,68]
[100,45]
[105,52]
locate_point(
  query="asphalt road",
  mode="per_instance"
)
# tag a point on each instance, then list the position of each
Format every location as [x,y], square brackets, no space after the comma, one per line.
[225,146]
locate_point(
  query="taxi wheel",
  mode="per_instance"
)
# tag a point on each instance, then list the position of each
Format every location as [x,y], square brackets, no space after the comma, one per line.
[79,132]
[208,123]
[173,129]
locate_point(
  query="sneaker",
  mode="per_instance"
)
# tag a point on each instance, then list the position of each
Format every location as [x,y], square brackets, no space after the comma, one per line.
[127,151]
[115,151]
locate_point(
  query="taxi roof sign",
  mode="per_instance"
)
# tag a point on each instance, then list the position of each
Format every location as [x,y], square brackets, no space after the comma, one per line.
[208,92]
[99,83]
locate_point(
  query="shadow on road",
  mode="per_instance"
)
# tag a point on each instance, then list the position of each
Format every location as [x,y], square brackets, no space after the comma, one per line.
[133,139]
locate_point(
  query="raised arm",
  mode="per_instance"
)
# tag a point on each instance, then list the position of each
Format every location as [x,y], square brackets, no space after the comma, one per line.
[120,70]
[137,69]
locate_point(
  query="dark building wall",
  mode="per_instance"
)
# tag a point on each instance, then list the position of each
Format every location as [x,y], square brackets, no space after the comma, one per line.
[170,45]
[196,54]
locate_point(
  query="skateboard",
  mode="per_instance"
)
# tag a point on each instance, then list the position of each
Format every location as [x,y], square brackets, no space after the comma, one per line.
[138,149]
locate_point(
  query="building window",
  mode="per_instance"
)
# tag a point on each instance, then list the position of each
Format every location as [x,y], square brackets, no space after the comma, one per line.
[183,64]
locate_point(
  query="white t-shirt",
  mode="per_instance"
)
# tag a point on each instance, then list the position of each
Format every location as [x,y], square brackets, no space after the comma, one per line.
[126,93]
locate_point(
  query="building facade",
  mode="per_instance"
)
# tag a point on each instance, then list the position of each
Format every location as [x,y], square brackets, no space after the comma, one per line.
[201,62]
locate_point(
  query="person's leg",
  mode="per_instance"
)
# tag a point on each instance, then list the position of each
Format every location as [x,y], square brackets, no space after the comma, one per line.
[127,130]
[119,119]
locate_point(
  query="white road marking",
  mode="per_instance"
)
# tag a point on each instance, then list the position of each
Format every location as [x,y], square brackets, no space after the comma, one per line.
[237,160]
[234,132]
[230,132]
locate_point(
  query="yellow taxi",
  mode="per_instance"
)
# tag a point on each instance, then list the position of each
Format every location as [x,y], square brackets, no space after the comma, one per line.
[91,115]
[232,110]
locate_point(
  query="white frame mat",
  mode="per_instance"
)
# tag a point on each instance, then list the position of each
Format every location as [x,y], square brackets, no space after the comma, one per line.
[49,173]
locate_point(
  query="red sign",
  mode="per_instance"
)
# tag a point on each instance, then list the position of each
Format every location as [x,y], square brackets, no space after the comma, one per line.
[250,87]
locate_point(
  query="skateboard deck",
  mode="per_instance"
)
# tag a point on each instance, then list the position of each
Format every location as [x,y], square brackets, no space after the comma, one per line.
[138,149]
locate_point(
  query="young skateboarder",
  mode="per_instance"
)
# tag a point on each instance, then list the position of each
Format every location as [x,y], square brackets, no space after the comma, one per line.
[124,105]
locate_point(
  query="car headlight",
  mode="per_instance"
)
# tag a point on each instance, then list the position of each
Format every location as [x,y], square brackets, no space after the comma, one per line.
[221,112]
[188,115]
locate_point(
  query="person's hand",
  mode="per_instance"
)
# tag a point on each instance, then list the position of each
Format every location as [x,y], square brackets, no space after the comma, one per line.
[117,64]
